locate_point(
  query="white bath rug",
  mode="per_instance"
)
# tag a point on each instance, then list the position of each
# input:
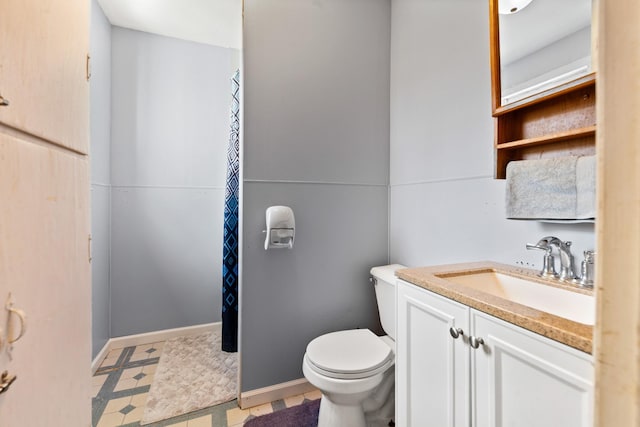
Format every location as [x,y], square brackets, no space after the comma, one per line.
[193,373]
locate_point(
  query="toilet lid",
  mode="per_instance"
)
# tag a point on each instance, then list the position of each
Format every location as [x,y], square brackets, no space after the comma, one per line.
[354,351]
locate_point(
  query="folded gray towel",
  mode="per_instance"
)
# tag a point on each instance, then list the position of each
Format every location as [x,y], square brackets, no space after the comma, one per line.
[586,187]
[542,189]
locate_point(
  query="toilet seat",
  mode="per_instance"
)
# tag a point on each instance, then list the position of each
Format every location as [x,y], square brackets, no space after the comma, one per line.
[350,354]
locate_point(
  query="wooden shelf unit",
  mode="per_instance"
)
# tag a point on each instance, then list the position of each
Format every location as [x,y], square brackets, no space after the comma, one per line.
[555,123]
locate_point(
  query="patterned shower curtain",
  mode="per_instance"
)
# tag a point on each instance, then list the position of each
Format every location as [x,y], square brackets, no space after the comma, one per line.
[230,244]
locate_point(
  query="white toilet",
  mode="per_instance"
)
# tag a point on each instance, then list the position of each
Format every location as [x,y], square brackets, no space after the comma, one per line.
[354,369]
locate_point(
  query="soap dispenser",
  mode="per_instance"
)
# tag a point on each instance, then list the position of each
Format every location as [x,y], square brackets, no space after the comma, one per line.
[281,226]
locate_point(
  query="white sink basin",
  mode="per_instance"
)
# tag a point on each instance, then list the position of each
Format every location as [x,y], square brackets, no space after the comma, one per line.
[557,301]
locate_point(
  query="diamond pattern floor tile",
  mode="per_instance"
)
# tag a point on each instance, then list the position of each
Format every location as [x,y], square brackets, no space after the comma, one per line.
[121,390]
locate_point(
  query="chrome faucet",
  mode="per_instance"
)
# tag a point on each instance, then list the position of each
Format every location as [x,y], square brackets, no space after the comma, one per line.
[567,271]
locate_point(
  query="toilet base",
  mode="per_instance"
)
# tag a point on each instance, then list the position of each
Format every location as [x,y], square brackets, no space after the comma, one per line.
[363,409]
[381,416]
[332,415]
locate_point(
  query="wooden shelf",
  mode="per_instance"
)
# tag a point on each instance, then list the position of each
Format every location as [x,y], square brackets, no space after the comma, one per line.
[548,139]
[549,94]
[552,124]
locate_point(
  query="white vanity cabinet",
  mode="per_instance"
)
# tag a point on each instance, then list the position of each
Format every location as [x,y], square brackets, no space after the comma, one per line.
[516,378]
[524,379]
[432,368]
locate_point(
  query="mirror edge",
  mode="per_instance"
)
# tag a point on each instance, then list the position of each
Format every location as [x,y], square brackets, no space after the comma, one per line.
[494,43]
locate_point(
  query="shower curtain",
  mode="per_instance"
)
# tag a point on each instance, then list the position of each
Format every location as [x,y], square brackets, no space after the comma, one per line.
[230,243]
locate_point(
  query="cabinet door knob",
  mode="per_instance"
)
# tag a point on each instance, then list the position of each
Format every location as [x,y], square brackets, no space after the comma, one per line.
[455,333]
[4,102]
[475,342]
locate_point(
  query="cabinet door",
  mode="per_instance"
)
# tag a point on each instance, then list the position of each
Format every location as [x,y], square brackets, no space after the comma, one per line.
[524,379]
[432,368]
[43,67]
[44,264]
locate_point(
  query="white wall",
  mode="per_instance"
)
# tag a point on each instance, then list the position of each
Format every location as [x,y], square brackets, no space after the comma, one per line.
[100,174]
[444,205]
[170,127]
[316,123]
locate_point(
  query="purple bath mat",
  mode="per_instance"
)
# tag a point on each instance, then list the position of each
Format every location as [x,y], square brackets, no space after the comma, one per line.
[304,415]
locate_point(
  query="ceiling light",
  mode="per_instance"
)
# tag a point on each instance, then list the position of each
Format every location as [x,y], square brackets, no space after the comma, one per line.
[508,7]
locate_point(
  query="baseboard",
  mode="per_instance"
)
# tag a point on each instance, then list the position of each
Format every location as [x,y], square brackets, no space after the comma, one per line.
[150,337]
[259,396]
[95,363]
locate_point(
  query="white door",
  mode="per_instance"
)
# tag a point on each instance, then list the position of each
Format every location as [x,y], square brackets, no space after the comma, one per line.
[44,265]
[432,367]
[44,213]
[526,380]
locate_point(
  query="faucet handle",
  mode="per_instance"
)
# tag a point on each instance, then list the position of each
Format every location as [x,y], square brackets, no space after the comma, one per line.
[587,270]
[546,248]
[548,263]
[589,256]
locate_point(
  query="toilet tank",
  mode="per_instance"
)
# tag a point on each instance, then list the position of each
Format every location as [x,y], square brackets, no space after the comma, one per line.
[385,286]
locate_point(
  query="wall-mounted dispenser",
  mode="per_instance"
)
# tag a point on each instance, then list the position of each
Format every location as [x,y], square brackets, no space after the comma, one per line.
[281,228]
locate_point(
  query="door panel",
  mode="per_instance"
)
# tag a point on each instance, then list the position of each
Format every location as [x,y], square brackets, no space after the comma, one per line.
[44,229]
[43,67]
[433,368]
[526,380]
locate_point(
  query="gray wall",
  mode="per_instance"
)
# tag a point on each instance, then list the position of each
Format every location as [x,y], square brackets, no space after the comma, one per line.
[170,124]
[445,207]
[316,122]
[100,87]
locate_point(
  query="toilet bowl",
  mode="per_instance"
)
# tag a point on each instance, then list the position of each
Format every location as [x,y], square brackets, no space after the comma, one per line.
[354,369]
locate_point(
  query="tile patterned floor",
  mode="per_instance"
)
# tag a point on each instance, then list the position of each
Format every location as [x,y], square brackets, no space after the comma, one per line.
[122,382]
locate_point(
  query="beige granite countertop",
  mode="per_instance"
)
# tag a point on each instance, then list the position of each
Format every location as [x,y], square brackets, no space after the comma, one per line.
[573,334]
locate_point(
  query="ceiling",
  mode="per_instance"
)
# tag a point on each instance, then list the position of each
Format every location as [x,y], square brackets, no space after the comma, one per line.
[213,22]
[219,22]
[541,23]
